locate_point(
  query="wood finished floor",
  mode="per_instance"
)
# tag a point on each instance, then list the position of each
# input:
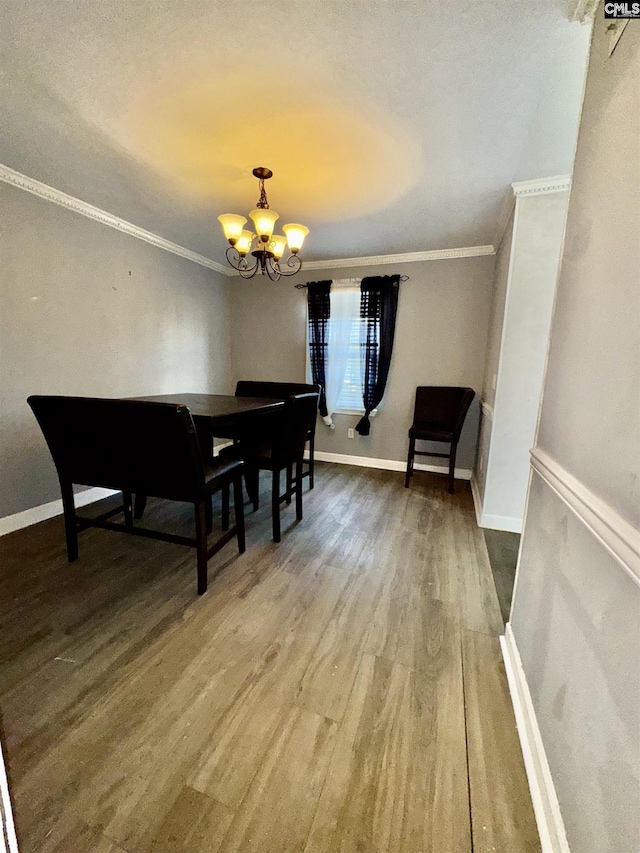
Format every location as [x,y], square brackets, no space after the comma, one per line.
[341,691]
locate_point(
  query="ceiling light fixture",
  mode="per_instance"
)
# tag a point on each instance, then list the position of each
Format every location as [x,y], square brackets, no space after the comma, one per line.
[268,247]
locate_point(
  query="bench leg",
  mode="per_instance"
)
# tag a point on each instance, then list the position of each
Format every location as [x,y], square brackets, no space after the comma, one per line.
[252,480]
[70,527]
[208,514]
[299,490]
[238,506]
[201,546]
[275,504]
[452,467]
[127,506]
[312,442]
[225,505]
[139,506]
[412,450]
[289,486]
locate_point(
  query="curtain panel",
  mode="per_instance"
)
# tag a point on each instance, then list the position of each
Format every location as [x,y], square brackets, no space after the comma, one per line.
[319,304]
[378,310]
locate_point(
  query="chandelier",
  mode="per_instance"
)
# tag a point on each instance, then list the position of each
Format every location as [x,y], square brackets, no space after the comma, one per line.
[266,247]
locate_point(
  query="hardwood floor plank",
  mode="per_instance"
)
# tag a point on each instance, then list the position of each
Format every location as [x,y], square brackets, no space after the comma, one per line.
[501,809]
[194,823]
[397,780]
[227,767]
[69,834]
[327,681]
[278,810]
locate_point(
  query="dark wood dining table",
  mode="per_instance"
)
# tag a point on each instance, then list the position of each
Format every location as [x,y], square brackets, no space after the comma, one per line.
[222,415]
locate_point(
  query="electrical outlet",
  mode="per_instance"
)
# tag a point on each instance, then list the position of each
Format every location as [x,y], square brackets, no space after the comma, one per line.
[350,433]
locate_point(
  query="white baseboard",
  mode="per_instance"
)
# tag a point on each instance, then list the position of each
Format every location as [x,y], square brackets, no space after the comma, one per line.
[553,838]
[477,500]
[493,522]
[7,826]
[40,513]
[386,464]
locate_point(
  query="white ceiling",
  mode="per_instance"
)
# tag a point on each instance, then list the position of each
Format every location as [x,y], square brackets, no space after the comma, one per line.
[391,125]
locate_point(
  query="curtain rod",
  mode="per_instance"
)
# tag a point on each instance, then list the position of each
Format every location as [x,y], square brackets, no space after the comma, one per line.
[306,284]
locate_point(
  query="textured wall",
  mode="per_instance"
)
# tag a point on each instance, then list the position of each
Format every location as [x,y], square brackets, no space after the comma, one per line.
[88,310]
[576,610]
[441,334]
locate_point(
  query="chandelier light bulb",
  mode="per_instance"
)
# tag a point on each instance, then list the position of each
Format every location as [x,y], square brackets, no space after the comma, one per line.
[232,225]
[264,221]
[277,246]
[243,244]
[295,236]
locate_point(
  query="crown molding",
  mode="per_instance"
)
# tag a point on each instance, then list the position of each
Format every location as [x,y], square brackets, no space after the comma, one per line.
[542,186]
[404,258]
[581,10]
[30,185]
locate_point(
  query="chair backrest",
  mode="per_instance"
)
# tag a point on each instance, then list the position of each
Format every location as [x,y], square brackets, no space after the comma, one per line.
[290,436]
[443,406]
[250,388]
[130,445]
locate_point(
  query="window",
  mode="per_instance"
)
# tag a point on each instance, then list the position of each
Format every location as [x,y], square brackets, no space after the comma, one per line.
[344,361]
[350,390]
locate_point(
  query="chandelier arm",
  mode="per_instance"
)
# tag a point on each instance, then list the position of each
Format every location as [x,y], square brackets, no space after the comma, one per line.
[239,263]
[249,272]
[293,261]
[272,270]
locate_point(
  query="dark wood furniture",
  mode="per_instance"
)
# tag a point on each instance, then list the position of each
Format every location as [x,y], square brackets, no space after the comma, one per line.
[250,388]
[280,448]
[220,415]
[137,447]
[438,415]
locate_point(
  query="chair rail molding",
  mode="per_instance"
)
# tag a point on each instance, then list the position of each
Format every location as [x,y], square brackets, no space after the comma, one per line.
[618,536]
[30,185]
[542,186]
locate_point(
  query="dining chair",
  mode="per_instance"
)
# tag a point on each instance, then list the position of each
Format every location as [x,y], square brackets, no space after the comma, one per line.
[282,448]
[439,415]
[250,388]
[137,447]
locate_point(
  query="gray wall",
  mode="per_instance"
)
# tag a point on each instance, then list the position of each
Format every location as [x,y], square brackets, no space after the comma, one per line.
[576,610]
[441,334]
[89,310]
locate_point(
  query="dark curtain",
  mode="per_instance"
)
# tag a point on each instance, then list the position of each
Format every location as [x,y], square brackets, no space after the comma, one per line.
[378,309]
[319,311]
